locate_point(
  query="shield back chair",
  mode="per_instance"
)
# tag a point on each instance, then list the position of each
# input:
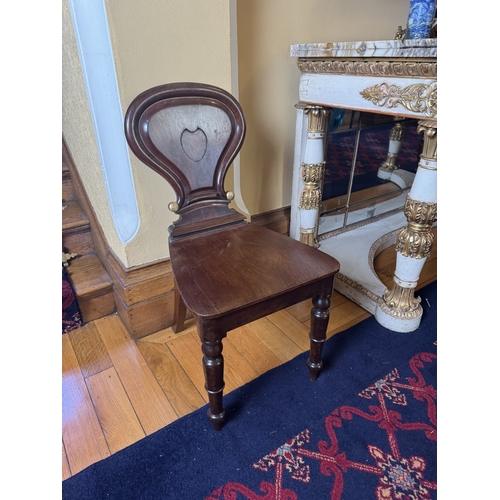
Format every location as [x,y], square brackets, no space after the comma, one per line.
[227,272]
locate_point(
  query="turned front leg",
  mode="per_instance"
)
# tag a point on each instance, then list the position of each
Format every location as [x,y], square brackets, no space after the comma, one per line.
[320,314]
[213,367]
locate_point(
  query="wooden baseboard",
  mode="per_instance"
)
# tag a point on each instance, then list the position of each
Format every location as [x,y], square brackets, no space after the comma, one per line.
[277,220]
[144,295]
[149,316]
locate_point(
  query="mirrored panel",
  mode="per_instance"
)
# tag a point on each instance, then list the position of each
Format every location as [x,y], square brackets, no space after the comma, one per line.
[371,160]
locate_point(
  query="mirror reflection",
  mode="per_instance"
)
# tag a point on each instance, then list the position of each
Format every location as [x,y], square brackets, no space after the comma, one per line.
[371,160]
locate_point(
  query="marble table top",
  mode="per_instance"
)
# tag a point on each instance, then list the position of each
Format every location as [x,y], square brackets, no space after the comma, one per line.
[425,47]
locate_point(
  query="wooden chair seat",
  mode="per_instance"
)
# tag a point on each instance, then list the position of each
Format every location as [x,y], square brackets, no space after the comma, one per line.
[227,272]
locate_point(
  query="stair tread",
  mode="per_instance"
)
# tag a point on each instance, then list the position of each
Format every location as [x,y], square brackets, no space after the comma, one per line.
[89,276]
[92,284]
[73,216]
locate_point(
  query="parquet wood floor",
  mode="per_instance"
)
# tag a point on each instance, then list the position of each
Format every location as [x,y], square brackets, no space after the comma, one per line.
[116,391]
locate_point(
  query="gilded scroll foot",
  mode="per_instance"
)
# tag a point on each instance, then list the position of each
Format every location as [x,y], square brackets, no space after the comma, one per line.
[390,164]
[399,310]
[400,302]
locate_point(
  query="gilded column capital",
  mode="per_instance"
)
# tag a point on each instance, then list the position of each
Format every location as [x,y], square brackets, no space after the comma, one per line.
[429,130]
[415,240]
[318,119]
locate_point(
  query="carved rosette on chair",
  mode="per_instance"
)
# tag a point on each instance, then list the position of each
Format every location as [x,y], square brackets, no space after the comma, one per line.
[415,240]
[312,169]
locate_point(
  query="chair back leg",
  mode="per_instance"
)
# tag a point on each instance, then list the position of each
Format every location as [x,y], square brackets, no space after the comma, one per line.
[179,311]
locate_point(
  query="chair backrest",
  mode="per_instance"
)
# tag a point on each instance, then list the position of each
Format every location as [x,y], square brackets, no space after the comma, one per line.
[189,133]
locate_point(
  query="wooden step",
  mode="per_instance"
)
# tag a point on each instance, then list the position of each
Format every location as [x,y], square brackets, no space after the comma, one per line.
[67,186]
[93,287]
[76,235]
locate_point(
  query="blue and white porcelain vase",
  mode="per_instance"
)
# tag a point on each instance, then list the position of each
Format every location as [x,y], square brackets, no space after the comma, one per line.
[420,18]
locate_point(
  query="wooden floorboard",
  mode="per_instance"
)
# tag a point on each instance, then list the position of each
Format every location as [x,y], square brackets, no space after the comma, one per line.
[146,395]
[292,327]
[187,351]
[114,410]
[260,357]
[276,340]
[175,382]
[82,434]
[90,350]
[116,390]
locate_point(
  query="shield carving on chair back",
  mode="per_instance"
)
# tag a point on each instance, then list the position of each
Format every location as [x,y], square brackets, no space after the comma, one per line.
[192,137]
[190,134]
[194,144]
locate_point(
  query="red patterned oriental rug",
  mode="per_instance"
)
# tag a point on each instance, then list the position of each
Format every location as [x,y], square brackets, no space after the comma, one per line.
[365,429]
[71,315]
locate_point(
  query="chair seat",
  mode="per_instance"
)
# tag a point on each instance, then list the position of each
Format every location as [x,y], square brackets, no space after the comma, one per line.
[227,270]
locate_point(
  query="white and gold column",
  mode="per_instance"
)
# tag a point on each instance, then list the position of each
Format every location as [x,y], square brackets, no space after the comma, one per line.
[400,310]
[389,170]
[396,137]
[312,166]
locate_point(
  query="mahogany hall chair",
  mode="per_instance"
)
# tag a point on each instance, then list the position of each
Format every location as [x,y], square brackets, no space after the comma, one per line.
[227,272]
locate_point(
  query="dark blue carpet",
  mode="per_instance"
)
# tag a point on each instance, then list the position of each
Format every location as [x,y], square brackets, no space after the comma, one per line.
[365,429]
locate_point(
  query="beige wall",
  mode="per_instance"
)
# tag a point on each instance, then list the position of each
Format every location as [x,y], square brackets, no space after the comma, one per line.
[269,78]
[79,133]
[160,41]
[154,42]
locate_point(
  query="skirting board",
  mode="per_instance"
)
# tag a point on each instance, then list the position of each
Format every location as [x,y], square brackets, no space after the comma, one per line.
[277,220]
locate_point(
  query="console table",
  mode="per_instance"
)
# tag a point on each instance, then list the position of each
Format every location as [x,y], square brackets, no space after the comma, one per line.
[393,77]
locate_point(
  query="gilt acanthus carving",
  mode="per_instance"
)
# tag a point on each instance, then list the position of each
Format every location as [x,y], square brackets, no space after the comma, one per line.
[312,174]
[400,302]
[415,240]
[418,97]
